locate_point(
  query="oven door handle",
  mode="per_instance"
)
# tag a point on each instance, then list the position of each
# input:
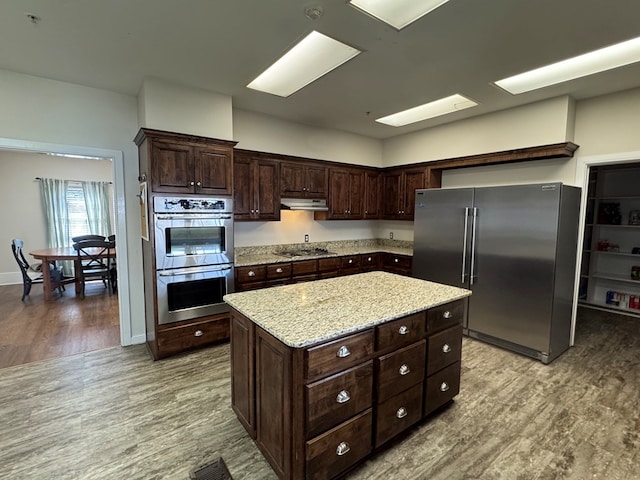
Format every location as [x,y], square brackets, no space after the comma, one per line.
[182,272]
[193,216]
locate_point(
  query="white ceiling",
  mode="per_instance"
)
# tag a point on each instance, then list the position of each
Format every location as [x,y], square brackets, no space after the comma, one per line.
[221,45]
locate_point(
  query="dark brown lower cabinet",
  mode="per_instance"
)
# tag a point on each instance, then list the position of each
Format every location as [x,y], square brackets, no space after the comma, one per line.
[315,412]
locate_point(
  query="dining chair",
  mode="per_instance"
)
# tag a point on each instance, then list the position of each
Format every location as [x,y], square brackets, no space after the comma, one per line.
[114,266]
[84,238]
[95,261]
[31,274]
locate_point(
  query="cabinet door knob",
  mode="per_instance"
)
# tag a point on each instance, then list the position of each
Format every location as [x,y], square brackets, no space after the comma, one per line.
[447,314]
[342,449]
[444,386]
[251,273]
[446,348]
[198,333]
[350,260]
[343,397]
[402,412]
[192,183]
[396,260]
[404,370]
[253,211]
[198,183]
[403,330]
[278,270]
[369,259]
[257,211]
[343,352]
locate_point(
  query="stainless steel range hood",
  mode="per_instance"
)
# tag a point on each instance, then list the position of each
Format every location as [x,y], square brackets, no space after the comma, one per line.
[313,204]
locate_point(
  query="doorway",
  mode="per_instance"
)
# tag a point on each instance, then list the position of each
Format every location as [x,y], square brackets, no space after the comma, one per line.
[116,157]
[585,169]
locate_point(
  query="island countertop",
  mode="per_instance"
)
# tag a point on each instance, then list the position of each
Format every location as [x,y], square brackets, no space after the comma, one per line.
[307,313]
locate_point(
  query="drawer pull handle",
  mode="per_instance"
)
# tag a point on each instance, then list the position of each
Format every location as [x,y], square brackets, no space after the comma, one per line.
[342,449]
[447,314]
[343,352]
[446,348]
[403,330]
[444,386]
[198,333]
[343,397]
[278,270]
[401,413]
[351,260]
[369,259]
[404,370]
[396,260]
[251,273]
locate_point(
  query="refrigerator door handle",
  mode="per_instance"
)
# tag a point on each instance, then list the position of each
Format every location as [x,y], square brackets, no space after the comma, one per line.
[464,243]
[474,229]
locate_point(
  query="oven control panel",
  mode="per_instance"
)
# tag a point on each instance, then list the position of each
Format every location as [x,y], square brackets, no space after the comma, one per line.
[191,205]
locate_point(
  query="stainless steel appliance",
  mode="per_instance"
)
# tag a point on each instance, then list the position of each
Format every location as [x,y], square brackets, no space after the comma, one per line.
[185,293]
[194,256]
[515,248]
[193,232]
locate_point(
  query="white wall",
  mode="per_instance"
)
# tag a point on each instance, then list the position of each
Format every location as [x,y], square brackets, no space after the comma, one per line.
[21,192]
[608,124]
[263,133]
[174,108]
[47,111]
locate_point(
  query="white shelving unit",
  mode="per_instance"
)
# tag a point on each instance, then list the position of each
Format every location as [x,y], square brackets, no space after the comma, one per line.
[612,233]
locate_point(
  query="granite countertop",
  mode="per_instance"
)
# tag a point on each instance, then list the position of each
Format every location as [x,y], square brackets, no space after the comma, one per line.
[307,313]
[264,255]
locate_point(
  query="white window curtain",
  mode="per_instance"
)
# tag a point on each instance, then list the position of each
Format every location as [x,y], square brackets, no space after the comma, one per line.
[96,201]
[53,194]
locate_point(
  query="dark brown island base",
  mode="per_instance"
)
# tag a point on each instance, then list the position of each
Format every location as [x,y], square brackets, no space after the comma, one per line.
[326,372]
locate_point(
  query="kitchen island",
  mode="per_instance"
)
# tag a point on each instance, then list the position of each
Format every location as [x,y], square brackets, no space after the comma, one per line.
[326,372]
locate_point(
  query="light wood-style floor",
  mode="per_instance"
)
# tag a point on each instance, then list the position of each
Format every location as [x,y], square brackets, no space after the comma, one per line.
[115,414]
[35,330]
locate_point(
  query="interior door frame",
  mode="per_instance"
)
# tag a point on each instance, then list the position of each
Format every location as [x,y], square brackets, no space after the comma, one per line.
[583,167]
[117,160]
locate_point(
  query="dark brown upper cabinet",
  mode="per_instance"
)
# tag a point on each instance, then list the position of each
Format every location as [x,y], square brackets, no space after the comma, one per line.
[303,180]
[256,187]
[372,194]
[185,163]
[399,187]
[346,194]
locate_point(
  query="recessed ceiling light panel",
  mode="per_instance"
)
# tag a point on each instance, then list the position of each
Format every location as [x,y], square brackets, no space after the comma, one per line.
[311,58]
[597,61]
[397,13]
[433,109]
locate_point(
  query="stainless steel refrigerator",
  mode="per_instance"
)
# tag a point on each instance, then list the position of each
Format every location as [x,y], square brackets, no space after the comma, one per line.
[515,248]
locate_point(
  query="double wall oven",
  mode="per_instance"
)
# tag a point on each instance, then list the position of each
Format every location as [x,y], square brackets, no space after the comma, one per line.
[193,256]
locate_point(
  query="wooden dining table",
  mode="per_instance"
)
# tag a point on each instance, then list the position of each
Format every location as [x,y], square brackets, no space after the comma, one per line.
[49,256]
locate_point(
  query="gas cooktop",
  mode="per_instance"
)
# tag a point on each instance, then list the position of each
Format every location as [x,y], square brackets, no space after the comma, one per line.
[303,252]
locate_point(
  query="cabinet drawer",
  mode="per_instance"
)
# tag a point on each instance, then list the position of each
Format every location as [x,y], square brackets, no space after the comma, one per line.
[337,355]
[402,262]
[444,316]
[304,267]
[329,264]
[404,331]
[253,273]
[400,370]
[441,387]
[278,270]
[333,400]
[338,449]
[350,262]
[370,261]
[185,337]
[444,348]
[398,413]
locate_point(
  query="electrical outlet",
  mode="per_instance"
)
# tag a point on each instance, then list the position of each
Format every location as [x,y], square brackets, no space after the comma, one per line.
[306,238]
[391,235]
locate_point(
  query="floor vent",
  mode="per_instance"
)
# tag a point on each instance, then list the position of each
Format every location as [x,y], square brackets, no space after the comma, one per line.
[214,471]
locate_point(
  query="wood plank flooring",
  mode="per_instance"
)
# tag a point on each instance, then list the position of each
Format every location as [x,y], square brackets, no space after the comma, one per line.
[35,330]
[115,414]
